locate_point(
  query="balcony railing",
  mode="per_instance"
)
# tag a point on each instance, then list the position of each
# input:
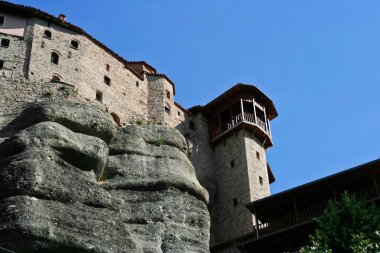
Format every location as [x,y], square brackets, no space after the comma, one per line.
[236,119]
[309,213]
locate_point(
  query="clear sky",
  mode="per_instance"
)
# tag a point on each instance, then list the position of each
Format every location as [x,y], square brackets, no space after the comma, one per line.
[319,61]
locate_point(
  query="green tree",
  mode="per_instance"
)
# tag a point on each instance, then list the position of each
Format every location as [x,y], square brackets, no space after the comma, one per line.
[349,226]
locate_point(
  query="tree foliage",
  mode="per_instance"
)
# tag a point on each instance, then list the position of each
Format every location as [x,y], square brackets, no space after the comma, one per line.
[349,226]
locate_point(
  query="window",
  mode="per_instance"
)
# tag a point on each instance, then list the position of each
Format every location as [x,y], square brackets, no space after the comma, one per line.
[43,44]
[232,164]
[74,44]
[191,125]
[235,202]
[55,78]
[257,155]
[107,80]
[47,34]
[261,180]
[167,108]
[54,58]
[5,42]
[168,94]
[99,96]
[137,84]
[69,55]
[2,20]
[179,113]
[1,64]
[108,67]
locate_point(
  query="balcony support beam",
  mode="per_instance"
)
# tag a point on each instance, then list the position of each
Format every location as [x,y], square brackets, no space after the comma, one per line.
[242,109]
[376,185]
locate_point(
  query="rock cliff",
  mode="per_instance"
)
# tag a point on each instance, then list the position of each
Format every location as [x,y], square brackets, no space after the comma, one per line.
[71,181]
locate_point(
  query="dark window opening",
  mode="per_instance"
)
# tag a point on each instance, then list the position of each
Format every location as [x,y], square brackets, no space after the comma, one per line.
[47,34]
[54,58]
[5,42]
[137,84]
[179,113]
[74,44]
[69,55]
[235,202]
[232,164]
[99,96]
[42,44]
[107,80]
[55,79]
[1,64]
[191,125]
[261,180]
[257,155]
[2,20]
[168,94]
[108,67]
[167,108]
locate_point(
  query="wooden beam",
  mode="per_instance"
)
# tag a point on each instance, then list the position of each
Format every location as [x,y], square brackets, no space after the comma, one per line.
[254,110]
[295,209]
[376,185]
[242,109]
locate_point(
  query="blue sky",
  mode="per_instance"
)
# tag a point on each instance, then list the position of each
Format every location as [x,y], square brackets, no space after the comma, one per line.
[319,61]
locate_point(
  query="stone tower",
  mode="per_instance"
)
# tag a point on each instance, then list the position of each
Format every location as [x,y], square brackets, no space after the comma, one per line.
[239,135]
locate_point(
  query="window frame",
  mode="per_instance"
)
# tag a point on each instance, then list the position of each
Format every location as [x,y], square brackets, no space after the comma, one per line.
[100,94]
[74,47]
[107,80]
[48,36]
[7,45]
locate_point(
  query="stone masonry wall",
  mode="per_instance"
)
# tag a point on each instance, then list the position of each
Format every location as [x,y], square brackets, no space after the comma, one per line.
[232,189]
[257,167]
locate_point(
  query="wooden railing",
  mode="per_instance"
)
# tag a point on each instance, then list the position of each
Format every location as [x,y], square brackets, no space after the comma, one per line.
[309,213]
[248,117]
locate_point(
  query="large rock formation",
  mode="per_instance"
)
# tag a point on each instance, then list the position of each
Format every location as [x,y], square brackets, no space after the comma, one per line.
[71,182]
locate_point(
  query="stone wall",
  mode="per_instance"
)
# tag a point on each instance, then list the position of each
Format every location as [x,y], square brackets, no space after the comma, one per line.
[256,167]
[231,218]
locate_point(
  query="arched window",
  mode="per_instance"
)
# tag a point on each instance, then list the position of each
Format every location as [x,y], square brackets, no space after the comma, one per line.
[47,34]
[74,44]
[54,58]
[55,78]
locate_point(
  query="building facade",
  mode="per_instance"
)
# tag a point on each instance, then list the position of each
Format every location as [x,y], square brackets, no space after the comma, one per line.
[45,57]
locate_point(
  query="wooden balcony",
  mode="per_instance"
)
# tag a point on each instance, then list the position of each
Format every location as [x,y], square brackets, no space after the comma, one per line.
[243,120]
[306,215]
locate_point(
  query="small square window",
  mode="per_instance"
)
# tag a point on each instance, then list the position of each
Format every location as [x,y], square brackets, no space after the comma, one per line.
[5,42]
[167,108]
[99,96]
[261,180]
[232,163]
[191,125]
[257,155]
[107,80]
[2,20]
[1,64]
[74,44]
[235,202]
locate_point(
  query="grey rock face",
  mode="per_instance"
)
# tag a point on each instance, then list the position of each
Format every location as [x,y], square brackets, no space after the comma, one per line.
[63,189]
